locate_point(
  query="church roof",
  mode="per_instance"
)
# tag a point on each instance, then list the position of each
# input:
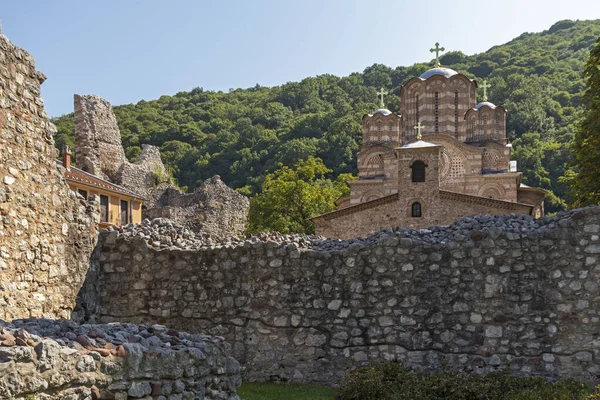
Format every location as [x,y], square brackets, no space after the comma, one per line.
[445,72]
[383,111]
[485,103]
[419,144]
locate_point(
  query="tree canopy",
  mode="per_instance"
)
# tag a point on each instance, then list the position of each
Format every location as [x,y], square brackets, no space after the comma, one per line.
[245,134]
[585,176]
[291,196]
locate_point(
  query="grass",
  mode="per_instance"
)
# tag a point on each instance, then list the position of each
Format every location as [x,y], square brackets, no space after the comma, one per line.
[282,391]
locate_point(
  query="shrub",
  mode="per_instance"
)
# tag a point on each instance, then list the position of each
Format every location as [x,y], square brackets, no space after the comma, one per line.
[393,381]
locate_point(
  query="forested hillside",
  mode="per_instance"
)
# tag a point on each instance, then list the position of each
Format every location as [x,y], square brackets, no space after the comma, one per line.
[244,134]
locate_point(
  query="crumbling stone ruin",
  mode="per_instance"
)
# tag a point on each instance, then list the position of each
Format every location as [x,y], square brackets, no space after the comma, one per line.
[213,209]
[99,150]
[46,233]
[480,294]
[58,360]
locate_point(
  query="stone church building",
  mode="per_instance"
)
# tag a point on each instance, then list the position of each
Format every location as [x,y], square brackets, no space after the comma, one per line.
[446,156]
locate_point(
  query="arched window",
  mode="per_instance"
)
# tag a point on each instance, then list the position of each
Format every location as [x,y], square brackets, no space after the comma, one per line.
[497,126]
[456,114]
[416,210]
[417,110]
[418,171]
[473,128]
[485,120]
[379,131]
[436,104]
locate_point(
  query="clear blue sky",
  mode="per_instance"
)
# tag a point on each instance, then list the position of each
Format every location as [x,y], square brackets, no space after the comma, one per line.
[129,50]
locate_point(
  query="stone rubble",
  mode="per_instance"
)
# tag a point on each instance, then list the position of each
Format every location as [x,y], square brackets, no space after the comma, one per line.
[59,359]
[166,233]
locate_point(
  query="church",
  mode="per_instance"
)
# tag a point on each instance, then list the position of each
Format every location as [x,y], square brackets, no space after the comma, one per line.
[444,157]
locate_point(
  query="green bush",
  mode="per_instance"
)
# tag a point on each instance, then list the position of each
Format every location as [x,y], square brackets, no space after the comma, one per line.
[393,381]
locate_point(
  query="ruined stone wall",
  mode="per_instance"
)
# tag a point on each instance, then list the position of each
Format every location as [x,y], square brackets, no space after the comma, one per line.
[479,294]
[46,233]
[213,209]
[98,148]
[58,360]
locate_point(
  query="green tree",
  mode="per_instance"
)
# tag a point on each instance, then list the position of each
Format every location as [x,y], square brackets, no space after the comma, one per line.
[291,196]
[585,179]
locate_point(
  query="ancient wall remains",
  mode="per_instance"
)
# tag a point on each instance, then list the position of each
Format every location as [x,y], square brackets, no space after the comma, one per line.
[46,233]
[213,209]
[58,360]
[480,294]
[98,148]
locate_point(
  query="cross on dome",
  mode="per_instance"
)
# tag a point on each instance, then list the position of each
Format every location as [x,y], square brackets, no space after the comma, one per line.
[437,50]
[485,86]
[381,93]
[418,127]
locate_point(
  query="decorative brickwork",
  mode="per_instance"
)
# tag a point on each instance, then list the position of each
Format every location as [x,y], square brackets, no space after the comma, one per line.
[473,159]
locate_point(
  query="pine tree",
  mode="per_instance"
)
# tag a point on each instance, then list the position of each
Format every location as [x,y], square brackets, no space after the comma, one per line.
[586,144]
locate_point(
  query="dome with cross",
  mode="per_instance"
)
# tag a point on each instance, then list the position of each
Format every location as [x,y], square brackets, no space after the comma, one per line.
[383,111]
[445,72]
[485,104]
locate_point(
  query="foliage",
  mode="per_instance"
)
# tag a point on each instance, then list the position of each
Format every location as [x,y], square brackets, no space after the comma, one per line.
[291,196]
[245,134]
[281,391]
[393,381]
[585,177]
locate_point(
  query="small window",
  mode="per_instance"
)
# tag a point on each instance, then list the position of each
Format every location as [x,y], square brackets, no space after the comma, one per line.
[103,208]
[83,193]
[416,210]
[124,212]
[418,171]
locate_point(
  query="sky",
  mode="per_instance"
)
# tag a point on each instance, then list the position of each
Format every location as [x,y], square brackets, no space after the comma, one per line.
[132,50]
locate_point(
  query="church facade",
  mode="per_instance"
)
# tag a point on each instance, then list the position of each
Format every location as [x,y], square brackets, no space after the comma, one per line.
[446,156]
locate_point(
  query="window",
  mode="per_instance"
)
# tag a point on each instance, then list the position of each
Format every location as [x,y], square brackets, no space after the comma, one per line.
[417,110]
[124,212]
[418,171]
[416,210]
[485,120]
[103,208]
[379,131]
[83,193]
[456,114]
[497,126]
[436,104]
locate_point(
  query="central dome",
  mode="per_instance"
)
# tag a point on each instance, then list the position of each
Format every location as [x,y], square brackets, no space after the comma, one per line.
[485,103]
[445,72]
[383,111]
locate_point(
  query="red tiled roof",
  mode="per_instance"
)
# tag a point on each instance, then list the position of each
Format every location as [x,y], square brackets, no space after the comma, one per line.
[78,176]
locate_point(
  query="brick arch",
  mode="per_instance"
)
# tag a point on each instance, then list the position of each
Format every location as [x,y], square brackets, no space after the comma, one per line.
[492,190]
[424,209]
[372,194]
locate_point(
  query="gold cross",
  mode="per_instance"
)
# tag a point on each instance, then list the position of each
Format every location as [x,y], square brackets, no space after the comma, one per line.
[381,93]
[418,127]
[437,51]
[485,87]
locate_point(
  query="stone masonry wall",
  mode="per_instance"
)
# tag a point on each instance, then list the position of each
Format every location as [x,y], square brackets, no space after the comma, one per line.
[46,232]
[98,148]
[479,294]
[214,209]
[60,360]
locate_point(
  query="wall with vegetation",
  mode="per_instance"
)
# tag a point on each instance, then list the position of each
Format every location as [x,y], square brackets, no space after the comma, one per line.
[480,294]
